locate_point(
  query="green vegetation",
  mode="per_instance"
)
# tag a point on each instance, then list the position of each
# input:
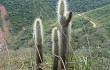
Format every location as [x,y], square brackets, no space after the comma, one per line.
[101,16]
[86,5]
[82,5]
[89,44]
[21,13]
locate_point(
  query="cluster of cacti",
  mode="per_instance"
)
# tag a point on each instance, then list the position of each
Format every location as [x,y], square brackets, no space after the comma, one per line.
[38,37]
[60,38]
[64,18]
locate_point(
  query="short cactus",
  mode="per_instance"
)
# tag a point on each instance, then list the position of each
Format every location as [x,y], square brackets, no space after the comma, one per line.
[55,47]
[38,38]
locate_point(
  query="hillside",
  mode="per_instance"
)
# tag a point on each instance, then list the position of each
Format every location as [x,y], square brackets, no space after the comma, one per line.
[24,36]
[22,12]
[101,16]
[82,32]
[86,40]
[86,5]
[98,37]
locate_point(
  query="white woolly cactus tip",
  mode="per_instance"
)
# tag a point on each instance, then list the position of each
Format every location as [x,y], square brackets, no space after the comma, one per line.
[38,21]
[62,7]
[54,32]
[37,30]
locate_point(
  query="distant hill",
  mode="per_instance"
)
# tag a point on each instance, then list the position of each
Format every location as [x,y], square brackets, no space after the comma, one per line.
[96,39]
[86,5]
[82,5]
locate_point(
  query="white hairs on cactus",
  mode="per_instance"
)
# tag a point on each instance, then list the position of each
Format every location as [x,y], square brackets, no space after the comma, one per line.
[37,31]
[55,35]
[64,19]
[66,14]
[61,10]
[62,7]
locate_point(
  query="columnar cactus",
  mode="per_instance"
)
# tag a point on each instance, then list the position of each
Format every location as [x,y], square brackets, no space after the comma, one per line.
[38,36]
[64,18]
[55,47]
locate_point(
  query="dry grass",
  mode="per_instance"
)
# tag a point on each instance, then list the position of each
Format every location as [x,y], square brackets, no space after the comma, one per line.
[22,59]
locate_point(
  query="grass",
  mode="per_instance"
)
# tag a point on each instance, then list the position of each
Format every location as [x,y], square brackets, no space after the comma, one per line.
[22,59]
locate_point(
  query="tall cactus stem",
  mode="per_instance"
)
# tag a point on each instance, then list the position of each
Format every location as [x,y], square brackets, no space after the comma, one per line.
[38,39]
[64,18]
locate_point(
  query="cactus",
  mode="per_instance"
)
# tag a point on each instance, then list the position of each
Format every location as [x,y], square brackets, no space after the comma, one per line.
[64,18]
[55,47]
[38,36]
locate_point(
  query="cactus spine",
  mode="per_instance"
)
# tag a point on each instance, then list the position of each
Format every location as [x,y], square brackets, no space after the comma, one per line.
[64,19]
[55,47]
[38,36]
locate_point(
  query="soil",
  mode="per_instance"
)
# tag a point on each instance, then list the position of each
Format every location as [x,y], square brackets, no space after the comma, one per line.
[91,21]
[4,34]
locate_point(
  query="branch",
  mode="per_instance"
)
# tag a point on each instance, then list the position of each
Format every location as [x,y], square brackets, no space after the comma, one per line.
[69,18]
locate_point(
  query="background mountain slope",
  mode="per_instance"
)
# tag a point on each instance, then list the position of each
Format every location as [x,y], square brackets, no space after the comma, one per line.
[22,12]
[101,16]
